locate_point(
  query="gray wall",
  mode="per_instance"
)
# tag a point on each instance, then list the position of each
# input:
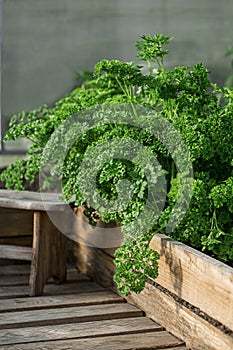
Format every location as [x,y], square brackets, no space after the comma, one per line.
[46,41]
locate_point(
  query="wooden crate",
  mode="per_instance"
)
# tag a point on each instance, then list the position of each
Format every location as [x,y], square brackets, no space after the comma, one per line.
[192,297]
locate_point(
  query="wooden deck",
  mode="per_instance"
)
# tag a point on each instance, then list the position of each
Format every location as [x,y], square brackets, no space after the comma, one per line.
[79,314]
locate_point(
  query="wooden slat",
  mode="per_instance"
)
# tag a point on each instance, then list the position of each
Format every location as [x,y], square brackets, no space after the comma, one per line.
[65,315]
[70,300]
[15,252]
[202,281]
[24,269]
[156,340]
[50,289]
[15,222]
[23,279]
[25,241]
[48,254]
[31,200]
[84,320]
[13,270]
[78,330]
[14,280]
[180,321]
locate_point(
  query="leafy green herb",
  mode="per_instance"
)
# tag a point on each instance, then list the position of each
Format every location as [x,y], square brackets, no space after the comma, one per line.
[200,111]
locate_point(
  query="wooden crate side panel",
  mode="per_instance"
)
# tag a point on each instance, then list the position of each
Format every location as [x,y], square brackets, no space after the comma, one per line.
[95,263]
[15,222]
[200,280]
[197,333]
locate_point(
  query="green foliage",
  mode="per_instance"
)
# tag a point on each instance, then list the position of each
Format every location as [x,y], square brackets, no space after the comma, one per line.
[229,80]
[201,112]
[136,262]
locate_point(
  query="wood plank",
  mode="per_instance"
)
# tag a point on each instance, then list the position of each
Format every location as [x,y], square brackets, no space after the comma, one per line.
[31,200]
[67,315]
[25,241]
[193,276]
[14,280]
[49,302]
[15,269]
[78,330]
[50,289]
[15,252]
[95,263]
[180,321]
[147,340]
[103,235]
[15,222]
[48,254]
[23,279]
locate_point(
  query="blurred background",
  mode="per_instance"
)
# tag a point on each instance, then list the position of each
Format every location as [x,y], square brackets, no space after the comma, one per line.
[45,42]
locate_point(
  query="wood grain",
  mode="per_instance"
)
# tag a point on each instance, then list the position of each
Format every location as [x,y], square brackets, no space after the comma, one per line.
[25,241]
[53,302]
[15,222]
[21,277]
[92,318]
[48,254]
[202,281]
[178,274]
[50,289]
[78,330]
[155,340]
[31,200]
[13,280]
[15,252]
[65,315]
[13,270]
[180,321]
[96,263]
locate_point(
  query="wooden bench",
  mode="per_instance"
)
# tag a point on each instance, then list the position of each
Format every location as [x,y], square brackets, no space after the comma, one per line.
[24,220]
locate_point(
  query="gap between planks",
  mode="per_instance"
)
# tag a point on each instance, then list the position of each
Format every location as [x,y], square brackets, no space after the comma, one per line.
[53,302]
[50,289]
[148,340]
[80,330]
[23,279]
[86,316]
[13,286]
[65,315]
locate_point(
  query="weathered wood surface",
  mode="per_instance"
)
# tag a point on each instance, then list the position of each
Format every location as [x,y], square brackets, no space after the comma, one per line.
[202,281]
[64,315]
[50,289]
[197,333]
[31,200]
[70,300]
[20,276]
[20,280]
[15,222]
[48,253]
[103,235]
[15,252]
[12,270]
[24,241]
[80,320]
[96,263]
[157,340]
[180,282]
[78,330]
